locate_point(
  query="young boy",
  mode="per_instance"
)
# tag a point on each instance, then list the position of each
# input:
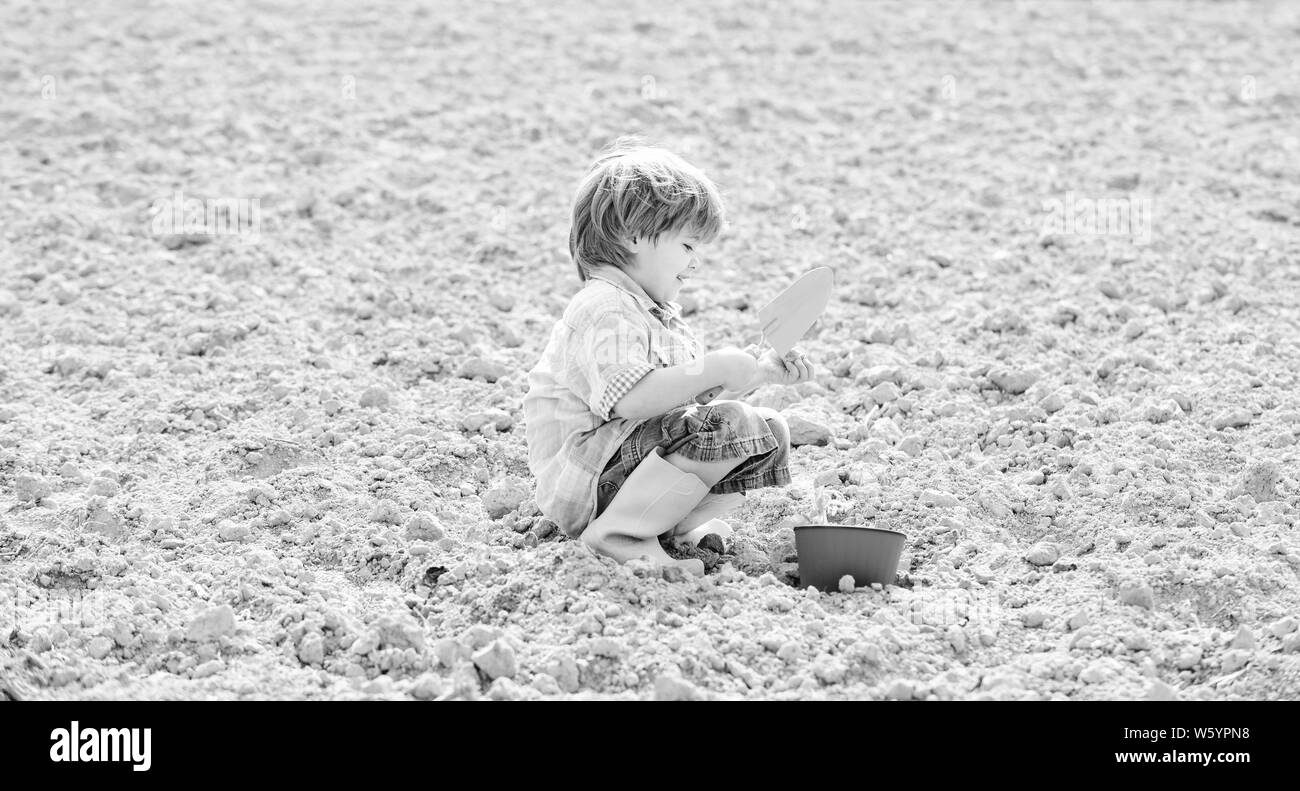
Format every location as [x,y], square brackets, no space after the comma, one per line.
[621,451]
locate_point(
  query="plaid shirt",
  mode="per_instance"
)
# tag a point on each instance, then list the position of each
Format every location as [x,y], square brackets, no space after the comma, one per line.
[611,334]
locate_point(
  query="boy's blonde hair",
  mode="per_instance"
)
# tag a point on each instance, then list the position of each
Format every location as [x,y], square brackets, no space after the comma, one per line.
[635,190]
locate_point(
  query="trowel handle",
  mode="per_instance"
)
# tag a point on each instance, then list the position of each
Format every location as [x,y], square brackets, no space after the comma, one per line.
[708,395]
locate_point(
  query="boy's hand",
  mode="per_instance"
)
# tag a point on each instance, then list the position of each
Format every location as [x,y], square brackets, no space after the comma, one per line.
[790,369]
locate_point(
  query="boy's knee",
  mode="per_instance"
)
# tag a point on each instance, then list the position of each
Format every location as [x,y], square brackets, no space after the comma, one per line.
[746,421]
[777,423]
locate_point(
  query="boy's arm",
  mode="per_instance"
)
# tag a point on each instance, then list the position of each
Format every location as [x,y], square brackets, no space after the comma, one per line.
[666,388]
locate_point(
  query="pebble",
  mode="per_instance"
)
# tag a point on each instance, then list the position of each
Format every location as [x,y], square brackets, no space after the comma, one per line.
[938,499]
[807,432]
[423,526]
[1012,381]
[216,622]
[900,690]
[497,418]
[99,647]
[502,300]
[208,668]
[9,305]
[1159,690]
[233,531]
[311,649]
[387,512]
[497,660]
[1232,418]
[1043,554]
[1110,289]
[475,367]
[1282,626]
[884,392]
[1259,480]
[847,584]
[1243,639]
[504,498]
[1004,320]
[427,687]
[1188,658]
[670,686]
[1034,617]
[1079,620]
[31,488]
[1137,595]
[375,396]
[1098,671]
[1052,403]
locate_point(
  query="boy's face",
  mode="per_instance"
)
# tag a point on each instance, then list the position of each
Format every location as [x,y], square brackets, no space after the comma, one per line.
[661,267]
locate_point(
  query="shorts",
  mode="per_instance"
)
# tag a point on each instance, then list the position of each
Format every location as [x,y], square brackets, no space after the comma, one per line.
[712,432]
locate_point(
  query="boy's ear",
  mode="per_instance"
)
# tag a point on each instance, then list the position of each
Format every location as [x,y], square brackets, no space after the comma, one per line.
[635,244]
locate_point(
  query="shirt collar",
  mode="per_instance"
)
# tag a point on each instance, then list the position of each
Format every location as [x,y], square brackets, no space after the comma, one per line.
[620,280]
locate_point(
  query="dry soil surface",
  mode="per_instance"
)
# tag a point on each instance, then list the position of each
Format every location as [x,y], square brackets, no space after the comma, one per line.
[292,465]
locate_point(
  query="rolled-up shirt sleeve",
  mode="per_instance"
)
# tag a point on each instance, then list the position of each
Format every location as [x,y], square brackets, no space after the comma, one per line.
[609,355]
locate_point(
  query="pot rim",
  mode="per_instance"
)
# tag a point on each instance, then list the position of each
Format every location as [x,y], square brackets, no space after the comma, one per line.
[857,527]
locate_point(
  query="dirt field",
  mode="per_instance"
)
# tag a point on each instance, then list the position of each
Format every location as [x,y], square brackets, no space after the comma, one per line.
[290,464]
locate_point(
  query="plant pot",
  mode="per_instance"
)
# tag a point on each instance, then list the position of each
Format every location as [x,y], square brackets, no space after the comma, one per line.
[828,552]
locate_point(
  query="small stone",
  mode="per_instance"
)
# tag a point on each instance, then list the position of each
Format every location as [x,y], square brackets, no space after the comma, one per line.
[1243,639]
[884,392]
[1043,554]
[9,305]
[1098,672]
[216,622]
[1159,690]
[31,489]
[502,300]
[479,367]
[847,584]
[311,649]
[1232,418]
[427,687]
[900,690]
[1079,620]
[807,432]
[387,512]
[423,526]
[99,647]
[1282,626]
[938,499]
[1011,381]
[504,498]
[499,419]
[1188,658]
[1052,403]
[1259,480]
[211,667]
[1137,595]
[1110,289]
[233,531]
[375,396]
[673,687]
[496,660]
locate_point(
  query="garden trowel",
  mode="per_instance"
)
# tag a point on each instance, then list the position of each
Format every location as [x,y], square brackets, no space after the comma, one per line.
[785,319]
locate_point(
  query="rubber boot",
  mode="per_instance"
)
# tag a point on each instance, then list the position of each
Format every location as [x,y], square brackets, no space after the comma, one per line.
[654,498]
[703,520]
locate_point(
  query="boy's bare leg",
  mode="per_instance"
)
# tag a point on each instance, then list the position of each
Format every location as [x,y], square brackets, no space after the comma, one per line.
[710,472]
